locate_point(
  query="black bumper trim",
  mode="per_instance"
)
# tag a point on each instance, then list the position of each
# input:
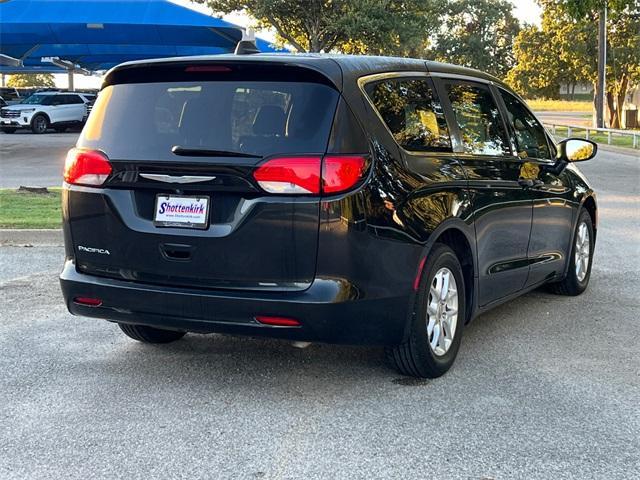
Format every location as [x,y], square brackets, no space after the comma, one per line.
[328,311]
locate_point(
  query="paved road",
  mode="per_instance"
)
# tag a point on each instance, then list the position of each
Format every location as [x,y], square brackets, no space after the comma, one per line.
[544,387]
[566,118]
[33,160]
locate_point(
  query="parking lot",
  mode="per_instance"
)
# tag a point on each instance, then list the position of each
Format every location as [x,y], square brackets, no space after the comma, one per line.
[543,387]
[35,160]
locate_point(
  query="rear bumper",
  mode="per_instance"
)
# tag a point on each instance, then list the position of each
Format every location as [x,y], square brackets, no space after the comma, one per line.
[330,310]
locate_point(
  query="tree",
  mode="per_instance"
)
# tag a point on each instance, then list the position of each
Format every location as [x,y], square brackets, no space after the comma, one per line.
[536,72]
[564,50]
[623,35]
[623,62]
[581,9]
[478,34]
[26,80]
[559,52]
[352,26]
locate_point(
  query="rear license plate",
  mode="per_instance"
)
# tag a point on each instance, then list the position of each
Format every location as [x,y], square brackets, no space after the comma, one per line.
[180,211]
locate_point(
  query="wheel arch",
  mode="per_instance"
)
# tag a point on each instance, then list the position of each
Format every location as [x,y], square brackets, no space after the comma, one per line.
[590,205]
[44,114]
[460,237]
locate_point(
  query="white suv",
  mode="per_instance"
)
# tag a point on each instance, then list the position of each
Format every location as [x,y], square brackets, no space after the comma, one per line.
[45,110]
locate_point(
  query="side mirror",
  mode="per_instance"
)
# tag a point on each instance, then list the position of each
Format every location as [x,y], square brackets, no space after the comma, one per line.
[576,150]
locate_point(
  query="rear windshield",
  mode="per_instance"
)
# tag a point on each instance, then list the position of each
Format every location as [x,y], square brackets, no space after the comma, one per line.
[144,121]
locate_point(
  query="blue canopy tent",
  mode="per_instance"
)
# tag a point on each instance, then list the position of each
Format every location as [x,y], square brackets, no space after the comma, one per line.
[57,36]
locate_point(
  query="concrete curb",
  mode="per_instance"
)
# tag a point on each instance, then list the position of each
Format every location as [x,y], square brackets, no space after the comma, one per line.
[31,237]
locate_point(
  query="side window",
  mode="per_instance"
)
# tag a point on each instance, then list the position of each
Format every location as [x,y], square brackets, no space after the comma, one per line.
[530,139]
[412,113]
[74,99]
[477,115]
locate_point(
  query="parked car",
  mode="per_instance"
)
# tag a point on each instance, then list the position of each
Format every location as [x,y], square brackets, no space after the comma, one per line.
[10,94]
[41,111]
[340,199]
[2,102]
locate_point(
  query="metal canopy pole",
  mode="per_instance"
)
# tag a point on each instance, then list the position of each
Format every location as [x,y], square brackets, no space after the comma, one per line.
[70,77]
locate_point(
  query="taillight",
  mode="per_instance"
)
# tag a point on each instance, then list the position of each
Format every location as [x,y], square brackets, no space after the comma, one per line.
[86,167]
[310,175]
[207,68]
[340,173]
[297,175]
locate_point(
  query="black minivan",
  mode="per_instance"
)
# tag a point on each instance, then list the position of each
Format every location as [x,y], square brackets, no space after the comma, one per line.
[341,199]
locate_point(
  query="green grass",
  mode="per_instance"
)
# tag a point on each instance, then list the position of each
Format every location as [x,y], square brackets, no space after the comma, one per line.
[30,210]
[616,140]
[546,105]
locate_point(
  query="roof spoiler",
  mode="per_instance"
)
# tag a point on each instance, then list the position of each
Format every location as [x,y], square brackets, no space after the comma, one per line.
[247,45]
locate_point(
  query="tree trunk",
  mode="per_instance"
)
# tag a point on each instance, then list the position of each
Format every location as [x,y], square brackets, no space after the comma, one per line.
[622,94]
[615,102]
[595,104]
[621,97]
[613,114]
[314,43]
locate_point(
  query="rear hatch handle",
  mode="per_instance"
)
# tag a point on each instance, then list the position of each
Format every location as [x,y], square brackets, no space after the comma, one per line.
[176,252]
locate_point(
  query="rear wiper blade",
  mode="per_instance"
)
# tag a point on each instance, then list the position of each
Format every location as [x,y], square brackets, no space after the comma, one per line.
[204,152]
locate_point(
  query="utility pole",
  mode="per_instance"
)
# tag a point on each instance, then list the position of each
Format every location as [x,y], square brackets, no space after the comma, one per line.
[602,68]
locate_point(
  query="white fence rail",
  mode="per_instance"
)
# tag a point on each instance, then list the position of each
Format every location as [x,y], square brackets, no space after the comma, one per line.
[610,132]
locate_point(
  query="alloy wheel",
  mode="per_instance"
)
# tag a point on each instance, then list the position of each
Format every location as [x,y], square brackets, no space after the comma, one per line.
[582,251]
[41,124]
[442,311]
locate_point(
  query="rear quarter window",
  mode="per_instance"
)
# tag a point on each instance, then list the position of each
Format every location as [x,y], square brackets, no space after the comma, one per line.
[412,113]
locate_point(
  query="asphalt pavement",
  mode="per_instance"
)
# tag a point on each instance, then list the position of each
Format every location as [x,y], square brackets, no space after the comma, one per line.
[33,160]
[583,119]
[544,387]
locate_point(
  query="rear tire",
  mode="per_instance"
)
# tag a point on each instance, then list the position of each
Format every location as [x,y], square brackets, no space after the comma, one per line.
[145,334]
[578,275]
[441,292]
[9,130]
[39,124]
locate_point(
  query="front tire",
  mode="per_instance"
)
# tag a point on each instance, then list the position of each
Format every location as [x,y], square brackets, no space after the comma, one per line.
[580,260]
[39,124]
[145,334]
[437,320]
